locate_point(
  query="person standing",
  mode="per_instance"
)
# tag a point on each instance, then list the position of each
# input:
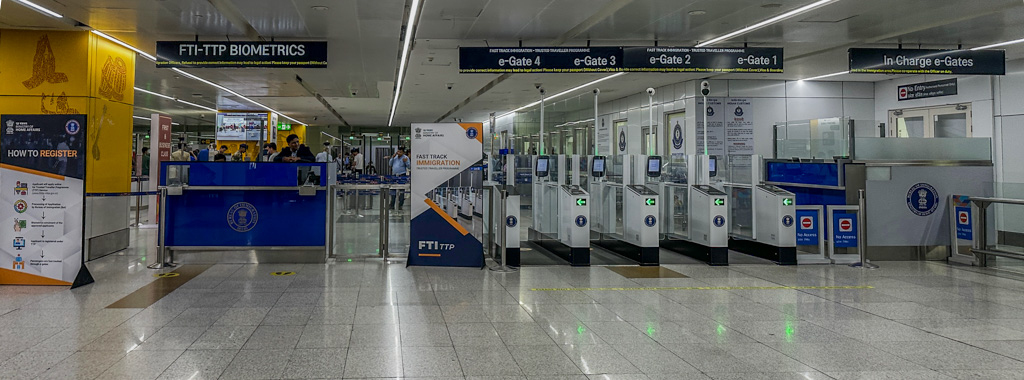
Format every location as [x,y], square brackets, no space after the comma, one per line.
[271,152]
[145,161]
[181,154]
[239,156]
[399,167]
[324,155]
[357,161]
[295,152]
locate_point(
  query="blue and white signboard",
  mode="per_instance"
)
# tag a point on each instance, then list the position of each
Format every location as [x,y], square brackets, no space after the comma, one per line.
[806,227]
[443,152]
[963,223]
[844,230]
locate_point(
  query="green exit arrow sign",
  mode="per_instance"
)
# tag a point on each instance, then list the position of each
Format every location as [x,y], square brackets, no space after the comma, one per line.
[787,201]
[581,201]
[719,201]
[649,201]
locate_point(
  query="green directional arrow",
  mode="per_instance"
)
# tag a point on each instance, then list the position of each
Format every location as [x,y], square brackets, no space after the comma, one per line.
[649,201]
[787,201]
[719,201]
[581,201]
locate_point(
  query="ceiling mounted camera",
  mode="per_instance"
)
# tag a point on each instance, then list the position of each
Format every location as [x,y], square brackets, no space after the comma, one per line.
[705,88]
[449,85]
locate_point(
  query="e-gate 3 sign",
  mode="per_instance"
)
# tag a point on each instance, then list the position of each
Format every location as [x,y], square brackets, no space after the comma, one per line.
[303,54]
[926,61]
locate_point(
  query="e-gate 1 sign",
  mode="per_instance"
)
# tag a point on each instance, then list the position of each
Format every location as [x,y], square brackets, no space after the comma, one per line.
[619,59]
[927,61]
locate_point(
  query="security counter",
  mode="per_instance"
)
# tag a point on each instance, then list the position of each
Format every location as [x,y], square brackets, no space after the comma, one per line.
[245,212]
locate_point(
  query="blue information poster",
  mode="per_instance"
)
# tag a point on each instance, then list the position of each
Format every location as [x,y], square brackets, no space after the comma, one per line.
[844,230]
[963,223]
[806,227]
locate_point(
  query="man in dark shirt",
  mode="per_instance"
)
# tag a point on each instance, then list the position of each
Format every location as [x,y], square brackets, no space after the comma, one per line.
[295,152]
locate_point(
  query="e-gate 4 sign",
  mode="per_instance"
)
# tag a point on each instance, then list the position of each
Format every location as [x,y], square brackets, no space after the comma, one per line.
[306,54]
[539,59]
[926,61]
[702,60]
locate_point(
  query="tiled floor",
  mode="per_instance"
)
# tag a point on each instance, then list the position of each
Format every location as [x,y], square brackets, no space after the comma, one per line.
[366,319]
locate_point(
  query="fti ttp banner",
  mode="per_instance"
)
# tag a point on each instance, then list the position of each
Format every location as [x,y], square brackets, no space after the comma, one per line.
[445,188]
[42,176]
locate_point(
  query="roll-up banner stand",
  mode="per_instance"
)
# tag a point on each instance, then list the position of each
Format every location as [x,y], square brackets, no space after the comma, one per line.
[446,160]
[42,173]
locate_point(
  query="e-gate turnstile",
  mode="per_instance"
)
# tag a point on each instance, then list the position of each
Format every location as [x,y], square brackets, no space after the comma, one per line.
[561,209]
[706,218]
[774,226]
[638,212]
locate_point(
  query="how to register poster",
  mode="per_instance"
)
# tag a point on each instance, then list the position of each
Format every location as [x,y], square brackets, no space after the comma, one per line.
[446,185]
[42,177]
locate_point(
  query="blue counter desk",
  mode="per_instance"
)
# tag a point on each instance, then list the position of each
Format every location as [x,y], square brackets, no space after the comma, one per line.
[260,208]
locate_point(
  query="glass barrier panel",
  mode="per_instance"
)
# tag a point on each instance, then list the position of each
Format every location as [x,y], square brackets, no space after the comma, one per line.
[917,149]
[741,210]
[677,207]
[675,169]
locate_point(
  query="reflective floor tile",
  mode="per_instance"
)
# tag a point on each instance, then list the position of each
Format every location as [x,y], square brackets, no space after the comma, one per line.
[274,338]
[430,362]
[223,338]
[387,314]
[543,360]
[652,359]
[598,359]
[242,316]
[82,365]
[373,362]
[375,336]
[199,364]
[473,334]
[425,335]
[325,336]
[949,354]
[487,361]
[257,364]
[141,365]
[316,363]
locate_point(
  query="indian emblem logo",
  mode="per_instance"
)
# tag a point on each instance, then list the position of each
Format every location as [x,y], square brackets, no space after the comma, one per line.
[10,127]
[581,221]
[242,216]
[738,112]
[711,111]
[471,133]
[922,199]
[650,220]
[72,127]
[622,141]
[677,136]
[511,221]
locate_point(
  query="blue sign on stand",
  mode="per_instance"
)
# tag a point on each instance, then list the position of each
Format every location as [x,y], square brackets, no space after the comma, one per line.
[844,230]
[963,223]
[806,227]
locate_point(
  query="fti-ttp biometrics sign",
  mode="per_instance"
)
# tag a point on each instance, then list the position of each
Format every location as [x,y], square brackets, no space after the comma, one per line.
[446,184]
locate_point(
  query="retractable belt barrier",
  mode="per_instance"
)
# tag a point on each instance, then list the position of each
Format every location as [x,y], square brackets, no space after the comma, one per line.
[126,194]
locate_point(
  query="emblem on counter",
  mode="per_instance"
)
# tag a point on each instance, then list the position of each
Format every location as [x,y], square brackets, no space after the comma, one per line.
[242,216]
[922,199]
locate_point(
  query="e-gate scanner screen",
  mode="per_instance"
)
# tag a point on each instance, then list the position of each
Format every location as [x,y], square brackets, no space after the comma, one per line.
[542,166]
[597,169]
[712,166]
[654,166]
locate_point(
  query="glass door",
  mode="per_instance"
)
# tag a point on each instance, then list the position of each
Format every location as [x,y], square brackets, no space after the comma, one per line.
[941,121]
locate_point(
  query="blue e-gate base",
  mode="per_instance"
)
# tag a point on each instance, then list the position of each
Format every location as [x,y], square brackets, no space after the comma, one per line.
[714,256]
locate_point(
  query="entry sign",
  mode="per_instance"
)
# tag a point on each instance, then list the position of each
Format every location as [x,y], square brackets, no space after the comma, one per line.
[308,54]
[923,90]
[806,227]
[926,61]
[844,230]
[963,223]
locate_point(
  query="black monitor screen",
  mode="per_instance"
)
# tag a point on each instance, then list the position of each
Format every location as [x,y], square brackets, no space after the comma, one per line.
[598,165]
[542,166]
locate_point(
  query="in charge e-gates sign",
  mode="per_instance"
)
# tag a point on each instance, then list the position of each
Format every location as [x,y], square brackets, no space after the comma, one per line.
[927,61]
[197,54]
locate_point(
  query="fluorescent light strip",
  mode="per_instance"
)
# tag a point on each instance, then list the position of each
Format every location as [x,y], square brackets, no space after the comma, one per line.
[406,45]
[119,42]
[175,99]
[767,22]
[228,90]
[999,44]
[41,9]
[148,119]
[825,76]
[569,91]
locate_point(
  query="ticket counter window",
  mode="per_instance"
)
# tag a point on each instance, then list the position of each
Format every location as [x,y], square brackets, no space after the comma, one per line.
[942,121]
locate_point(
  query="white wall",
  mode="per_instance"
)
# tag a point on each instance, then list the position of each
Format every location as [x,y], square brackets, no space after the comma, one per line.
[773,101]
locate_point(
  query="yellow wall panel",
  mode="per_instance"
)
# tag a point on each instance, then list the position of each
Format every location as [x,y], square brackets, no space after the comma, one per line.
[112,71]
[44,63]
[109,148]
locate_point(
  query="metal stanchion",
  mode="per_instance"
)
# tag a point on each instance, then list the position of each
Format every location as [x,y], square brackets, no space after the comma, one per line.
[385,220]
[161,249]
[502,232]
[861,242]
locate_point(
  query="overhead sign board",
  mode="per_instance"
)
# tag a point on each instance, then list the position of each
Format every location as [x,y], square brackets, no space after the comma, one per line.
[923,90]
[619,59]
[539,59]
[308,54]
[702,60]
[927,61]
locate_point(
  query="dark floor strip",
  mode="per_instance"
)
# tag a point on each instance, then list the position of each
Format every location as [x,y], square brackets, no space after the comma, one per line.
[646,272]
[154,291]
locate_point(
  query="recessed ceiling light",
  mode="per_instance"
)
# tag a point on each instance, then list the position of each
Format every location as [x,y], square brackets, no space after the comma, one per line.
[319,8]
[697,13]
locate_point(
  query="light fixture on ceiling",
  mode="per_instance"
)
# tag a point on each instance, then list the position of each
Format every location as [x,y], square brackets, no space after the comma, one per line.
[824,76]
[771,5]
[175,99]
[41,9]
[767,22]
[232,92]
[697,12]
[410,29]
[148,119]
[122,43]
[999,44]
[319,8]
[560,94]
